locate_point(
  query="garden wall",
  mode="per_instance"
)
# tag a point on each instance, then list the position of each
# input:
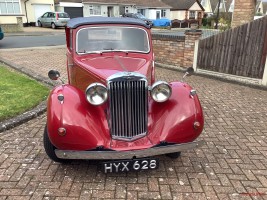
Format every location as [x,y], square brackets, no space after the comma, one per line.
[175,50]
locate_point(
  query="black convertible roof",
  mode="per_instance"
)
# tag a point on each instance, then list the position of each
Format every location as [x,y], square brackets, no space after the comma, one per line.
[79,21]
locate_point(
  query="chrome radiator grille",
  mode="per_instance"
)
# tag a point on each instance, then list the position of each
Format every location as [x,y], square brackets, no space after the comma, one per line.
[128,108]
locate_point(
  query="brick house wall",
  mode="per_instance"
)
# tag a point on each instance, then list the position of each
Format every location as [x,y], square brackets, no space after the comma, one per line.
[175,50]
[244,12]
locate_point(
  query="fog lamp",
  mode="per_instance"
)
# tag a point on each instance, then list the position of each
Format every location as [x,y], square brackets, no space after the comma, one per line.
[96,94]
[161,91]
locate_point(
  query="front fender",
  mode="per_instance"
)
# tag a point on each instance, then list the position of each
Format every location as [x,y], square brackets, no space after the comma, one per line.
[87,126]
[80,119]
[173,120]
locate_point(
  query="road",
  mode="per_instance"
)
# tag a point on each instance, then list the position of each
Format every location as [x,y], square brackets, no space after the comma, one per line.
[32,41]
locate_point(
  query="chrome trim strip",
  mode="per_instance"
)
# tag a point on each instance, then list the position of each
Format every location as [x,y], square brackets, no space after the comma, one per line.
[126,50]
[119,75]
[108,155]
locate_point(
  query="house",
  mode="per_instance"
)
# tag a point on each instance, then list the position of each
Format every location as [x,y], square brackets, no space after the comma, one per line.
[261,8]
[185,9]
[215,5]
[206,4]
[152,9]
[211,6]
[16,13]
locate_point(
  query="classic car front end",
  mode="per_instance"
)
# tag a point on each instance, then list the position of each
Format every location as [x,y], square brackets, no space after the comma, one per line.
[112,108]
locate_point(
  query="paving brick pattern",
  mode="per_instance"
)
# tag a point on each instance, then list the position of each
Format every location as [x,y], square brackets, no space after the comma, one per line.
[232,165]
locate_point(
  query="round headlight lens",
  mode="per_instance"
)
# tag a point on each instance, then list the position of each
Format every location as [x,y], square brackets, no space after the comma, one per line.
[161,91]
[96,94]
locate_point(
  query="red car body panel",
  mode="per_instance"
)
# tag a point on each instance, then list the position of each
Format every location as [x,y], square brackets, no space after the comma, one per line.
[87,126]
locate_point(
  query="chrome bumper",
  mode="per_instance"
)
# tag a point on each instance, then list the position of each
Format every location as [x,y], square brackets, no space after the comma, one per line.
[106,155]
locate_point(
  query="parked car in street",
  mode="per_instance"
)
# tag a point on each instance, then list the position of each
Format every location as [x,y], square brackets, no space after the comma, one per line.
[53,19]
[112,108]
[139,16]
[1,33]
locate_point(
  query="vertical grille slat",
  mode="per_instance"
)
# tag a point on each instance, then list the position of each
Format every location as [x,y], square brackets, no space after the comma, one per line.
[128,108]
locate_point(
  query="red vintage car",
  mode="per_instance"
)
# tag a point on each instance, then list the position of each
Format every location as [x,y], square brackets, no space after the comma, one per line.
[112,108]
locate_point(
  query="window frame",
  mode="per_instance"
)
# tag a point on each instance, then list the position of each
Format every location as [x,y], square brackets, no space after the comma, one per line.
[163,13]
[94,10]
[132,51]
[192,16]
[13,2]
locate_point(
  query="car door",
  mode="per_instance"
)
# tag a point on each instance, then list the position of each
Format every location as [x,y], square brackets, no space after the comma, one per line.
[49,19]
[43,19]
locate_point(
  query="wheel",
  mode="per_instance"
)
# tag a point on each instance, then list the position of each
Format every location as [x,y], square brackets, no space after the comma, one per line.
[39,24]
[53,26]
[50,148]
[174,155]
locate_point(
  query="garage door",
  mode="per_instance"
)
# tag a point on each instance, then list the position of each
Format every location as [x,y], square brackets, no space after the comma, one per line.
[74,11]
[39,10]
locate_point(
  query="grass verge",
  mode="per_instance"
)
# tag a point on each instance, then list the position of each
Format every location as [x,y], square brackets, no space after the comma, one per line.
[18,93]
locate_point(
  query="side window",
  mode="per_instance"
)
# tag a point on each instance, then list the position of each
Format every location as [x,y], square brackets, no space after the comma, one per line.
[49,15]
[54,15]
[45,15]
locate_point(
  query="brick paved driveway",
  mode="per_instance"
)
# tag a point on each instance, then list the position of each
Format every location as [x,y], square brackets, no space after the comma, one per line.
[232,165]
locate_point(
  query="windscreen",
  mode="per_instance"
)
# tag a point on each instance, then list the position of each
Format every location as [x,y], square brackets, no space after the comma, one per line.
[102,39]
[63,15]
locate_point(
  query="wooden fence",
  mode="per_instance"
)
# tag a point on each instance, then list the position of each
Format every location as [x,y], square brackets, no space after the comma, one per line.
[240,51]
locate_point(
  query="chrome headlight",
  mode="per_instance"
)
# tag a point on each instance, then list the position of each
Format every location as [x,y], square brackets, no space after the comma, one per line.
[161,91]
[96,93]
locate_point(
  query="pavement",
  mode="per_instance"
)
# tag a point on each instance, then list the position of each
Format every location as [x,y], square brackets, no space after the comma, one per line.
[37,31]
[232,164]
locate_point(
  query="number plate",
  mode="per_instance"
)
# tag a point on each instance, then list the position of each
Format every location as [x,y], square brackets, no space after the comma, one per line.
[130,165]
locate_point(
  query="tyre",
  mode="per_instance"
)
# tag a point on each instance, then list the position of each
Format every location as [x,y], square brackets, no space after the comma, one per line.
[53,26]
[174,155]
[50,148]
[39,24]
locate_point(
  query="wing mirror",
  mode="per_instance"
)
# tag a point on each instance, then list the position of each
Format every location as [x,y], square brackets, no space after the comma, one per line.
[189,71]
[53,75]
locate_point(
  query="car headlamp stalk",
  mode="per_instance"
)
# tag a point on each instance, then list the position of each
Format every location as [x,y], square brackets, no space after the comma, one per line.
[96,93]
[161,91]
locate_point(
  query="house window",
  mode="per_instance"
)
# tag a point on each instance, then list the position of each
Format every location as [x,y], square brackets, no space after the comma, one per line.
[94,10]
[141,11]
[163,13]
[9,7]
[192,15]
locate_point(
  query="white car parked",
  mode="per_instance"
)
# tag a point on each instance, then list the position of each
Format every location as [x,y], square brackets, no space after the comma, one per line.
[53,19]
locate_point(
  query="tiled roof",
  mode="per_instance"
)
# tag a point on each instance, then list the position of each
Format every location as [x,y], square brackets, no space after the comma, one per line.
[181,4]
[143,3]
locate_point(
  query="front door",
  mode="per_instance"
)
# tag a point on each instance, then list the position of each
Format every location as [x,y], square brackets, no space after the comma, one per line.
[158,14]
[110,11]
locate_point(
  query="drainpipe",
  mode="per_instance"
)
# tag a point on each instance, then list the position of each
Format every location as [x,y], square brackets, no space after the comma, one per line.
[26,12]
